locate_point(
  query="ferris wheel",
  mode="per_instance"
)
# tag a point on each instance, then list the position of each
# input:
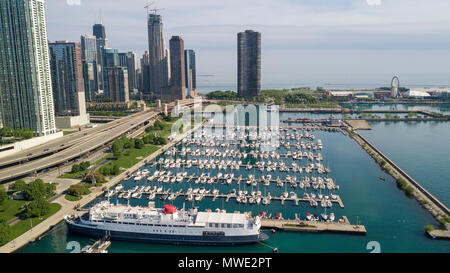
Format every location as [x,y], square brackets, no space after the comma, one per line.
[395,84]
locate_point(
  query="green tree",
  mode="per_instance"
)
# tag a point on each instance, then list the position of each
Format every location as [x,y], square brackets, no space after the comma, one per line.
[115,170]
[3,196]
[19,185]
[139,144]
[27,133]
[37,208]
[85,165]
[75,168]
[35,190]
[51,188]
[6,131]
[4,232]
[18,133]
[117,148]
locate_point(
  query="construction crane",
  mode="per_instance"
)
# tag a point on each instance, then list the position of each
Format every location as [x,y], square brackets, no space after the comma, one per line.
[148,8]
[156,10]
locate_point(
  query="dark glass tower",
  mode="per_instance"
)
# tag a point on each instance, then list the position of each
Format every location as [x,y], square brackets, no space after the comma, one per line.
[177,67]
[99,31]
[67,78]
[191,74]
[249,64]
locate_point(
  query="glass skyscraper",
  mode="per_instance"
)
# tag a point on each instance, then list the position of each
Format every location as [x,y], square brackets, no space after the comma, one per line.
[191,74]
[67,78]
[249,64]
[26,97]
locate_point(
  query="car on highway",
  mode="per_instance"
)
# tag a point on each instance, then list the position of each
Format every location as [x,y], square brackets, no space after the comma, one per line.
[46,150]
[30,154]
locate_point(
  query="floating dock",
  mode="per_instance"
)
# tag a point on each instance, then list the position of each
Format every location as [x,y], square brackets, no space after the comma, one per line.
[315,227]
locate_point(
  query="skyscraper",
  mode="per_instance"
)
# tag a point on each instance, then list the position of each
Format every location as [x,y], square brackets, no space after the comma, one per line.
[90,80]
[117,81]
[115,77]
[249,64]
[98,30]
[67,78]
[88,48]
[89,58]
[190,71]
[129,60]
[145,75]
[159,60]
[177,71]
[26,96]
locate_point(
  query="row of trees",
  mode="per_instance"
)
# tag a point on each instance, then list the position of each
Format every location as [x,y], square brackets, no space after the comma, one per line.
[81,167]
[17,133]
[154,139]
[298,98]
[222,95]
[126,143]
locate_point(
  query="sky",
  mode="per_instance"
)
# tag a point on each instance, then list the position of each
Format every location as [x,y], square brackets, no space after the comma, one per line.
[304,42]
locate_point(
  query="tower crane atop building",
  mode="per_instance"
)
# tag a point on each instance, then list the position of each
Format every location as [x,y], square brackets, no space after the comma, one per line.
[148,8]
[156,10]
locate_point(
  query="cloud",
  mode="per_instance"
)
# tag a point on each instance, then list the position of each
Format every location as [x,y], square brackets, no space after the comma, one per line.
[397,33]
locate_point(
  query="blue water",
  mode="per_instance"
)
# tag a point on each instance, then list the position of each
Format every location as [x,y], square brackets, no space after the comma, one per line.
[391,219]
[422,149]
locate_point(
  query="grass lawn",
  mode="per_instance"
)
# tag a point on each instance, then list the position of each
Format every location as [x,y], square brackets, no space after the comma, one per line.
[133,156]
[24,225]
[11,209]
[68,132]
[73,175]
[73,198]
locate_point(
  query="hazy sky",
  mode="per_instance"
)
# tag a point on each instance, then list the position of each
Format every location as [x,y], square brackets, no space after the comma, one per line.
[309,42]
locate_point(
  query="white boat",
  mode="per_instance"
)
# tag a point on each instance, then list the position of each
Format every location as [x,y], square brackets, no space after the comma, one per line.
[124,222]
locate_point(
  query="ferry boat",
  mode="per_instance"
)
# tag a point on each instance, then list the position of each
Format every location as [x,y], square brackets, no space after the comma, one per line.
[167,225]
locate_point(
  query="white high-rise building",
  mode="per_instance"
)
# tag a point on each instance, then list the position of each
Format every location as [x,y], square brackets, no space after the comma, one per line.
[26,96]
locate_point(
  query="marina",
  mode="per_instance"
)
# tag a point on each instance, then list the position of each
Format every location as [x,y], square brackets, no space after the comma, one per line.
[359,188]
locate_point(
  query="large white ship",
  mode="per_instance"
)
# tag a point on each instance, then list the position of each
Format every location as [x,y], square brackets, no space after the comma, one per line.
[167,225]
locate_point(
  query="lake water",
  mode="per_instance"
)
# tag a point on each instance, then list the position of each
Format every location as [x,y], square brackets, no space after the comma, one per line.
[391,219]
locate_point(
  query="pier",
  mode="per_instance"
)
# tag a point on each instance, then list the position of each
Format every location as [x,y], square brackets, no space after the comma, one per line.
[311,226]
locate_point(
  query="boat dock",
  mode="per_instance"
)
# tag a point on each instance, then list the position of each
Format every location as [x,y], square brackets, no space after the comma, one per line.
[99,246]
[164,195]
[343,227]
[438,234]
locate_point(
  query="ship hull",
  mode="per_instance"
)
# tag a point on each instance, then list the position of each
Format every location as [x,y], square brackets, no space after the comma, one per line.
[95,232]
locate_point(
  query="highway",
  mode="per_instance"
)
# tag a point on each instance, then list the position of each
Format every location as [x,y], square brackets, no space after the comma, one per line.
[75,146]
[67,148]
[63,142]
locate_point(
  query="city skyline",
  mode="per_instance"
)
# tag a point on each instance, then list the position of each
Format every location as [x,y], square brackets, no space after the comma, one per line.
[349,42]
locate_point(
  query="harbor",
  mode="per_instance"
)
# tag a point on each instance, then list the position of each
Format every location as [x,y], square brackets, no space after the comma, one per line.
[295,215]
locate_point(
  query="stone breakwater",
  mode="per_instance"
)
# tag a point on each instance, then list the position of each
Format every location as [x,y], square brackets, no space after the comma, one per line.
[434,206]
